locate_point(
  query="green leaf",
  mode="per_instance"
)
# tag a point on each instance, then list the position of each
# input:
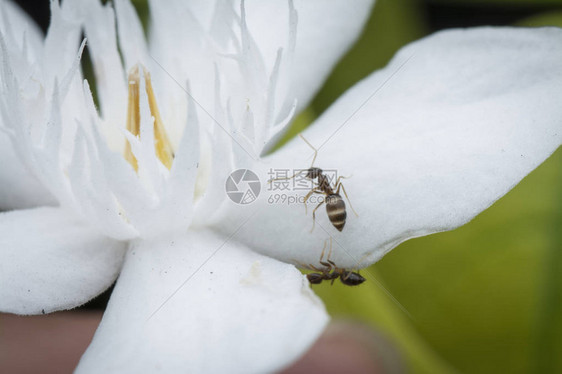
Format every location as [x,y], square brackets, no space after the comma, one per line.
[371,304]
[543,19]
[496,3]
[488,296]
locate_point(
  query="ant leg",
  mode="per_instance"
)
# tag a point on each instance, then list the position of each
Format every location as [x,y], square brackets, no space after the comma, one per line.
[340,272]
[332,264]
[328,259]
[336,270]
[328,264]
[330,253]
[305,200]
[314,215]
[312,267]
[301,265]
[341,177]
[340,185]
[310,145]
[324,250]
[308,267]
[314,190]
[361,260]
[322,256]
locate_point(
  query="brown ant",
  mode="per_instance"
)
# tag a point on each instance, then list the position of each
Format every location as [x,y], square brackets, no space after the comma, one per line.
[332,272]
[335,206]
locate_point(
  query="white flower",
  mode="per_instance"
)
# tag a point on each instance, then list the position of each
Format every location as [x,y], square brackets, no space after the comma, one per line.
[206,285]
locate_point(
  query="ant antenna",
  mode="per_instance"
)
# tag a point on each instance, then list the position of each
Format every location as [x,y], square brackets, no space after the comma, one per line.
[311,146]
[302,171]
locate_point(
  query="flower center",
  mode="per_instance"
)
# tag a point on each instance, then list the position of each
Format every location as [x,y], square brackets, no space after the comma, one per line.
[162,145]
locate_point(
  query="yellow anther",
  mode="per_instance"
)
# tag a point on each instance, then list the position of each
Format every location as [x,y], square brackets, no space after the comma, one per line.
[133,114]
[162,145]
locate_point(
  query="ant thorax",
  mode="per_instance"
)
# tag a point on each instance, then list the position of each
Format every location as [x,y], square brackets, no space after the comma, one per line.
[324,184]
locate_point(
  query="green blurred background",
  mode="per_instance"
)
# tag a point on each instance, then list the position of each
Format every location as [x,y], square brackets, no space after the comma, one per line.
[485,298]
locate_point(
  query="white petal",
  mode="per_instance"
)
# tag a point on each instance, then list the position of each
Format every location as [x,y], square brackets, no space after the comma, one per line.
[61,43]
[33,88]
[17,24]
[99,24]
[201,303]
[426,143]
[180,53]
[325,31]
[49,261]
[131,36]
[270,54]
[19,189]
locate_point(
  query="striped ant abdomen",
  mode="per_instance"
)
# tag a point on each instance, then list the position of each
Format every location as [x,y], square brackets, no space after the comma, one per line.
[335,207]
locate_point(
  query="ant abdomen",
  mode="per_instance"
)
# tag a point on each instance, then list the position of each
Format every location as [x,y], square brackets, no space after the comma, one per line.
[335,207]
[351,278]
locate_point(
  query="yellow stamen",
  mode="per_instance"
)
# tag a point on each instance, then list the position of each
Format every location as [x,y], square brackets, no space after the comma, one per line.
[162,145]
[133,114]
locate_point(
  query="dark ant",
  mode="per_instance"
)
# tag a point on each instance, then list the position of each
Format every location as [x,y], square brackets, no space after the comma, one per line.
[332,272]
[335,206]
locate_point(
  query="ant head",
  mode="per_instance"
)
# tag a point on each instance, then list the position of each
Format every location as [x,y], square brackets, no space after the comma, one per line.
[315,278]
[350,278]
[313,173]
